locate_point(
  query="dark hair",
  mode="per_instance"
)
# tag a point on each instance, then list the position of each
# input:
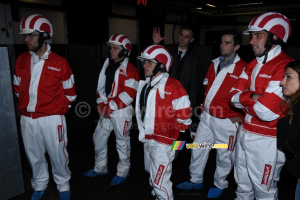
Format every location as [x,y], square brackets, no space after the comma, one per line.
[189,28]
[289,101]
[237,36]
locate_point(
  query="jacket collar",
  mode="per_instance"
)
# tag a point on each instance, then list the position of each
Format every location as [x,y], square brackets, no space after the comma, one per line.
[230,67]
[159,83]
[272,54]
[122,65]
[46,54]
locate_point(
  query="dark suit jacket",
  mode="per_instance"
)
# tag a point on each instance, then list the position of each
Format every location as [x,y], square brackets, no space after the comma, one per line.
[194,66]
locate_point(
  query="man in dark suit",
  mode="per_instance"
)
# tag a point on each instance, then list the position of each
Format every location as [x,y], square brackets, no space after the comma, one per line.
[187,67]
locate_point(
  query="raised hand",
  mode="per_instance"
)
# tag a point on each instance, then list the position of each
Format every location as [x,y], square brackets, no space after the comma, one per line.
[156,37]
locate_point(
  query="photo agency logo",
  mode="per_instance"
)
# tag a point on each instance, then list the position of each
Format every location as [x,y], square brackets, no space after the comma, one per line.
[82,109]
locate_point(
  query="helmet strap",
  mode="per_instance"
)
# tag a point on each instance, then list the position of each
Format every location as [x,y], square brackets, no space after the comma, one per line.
[43,36]
[40,41]
[158,68]
[266,56]
[269,43]
[122,53]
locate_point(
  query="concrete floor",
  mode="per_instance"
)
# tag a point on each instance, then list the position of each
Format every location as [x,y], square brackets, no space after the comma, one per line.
[81,154]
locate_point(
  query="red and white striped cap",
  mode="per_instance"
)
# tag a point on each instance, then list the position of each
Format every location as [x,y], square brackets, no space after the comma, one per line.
[158,53]
[122,40]
[273,22]
[35,22]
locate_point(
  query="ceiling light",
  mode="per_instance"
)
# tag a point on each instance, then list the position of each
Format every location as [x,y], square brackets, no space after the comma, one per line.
[248,4]
[210,5]
[199,8]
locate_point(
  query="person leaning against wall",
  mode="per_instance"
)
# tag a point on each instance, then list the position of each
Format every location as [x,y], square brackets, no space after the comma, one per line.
[288,128]
[117,85]
[44,85]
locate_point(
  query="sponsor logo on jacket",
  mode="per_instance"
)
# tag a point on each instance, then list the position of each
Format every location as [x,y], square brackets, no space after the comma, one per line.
[122,72]
[233,76]
[53,68]
[264,76]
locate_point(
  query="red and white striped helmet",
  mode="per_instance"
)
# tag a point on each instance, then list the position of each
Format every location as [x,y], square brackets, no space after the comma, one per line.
[35,22]
[273,22]
[122,40]
[158,53]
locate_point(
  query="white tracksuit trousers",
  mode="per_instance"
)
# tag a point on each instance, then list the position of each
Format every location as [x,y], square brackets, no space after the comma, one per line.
[158,160]
[47,134]
[257,166]
[120,122]
[212,130]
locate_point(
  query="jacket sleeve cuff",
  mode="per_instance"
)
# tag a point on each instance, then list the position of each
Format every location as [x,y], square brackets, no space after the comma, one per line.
[107,110]
[245,99]
[101,104]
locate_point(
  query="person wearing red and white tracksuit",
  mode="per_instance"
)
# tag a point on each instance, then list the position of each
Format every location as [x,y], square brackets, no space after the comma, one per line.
[219,121]
[117,85]
[162,111]
[44,85]
[257,161]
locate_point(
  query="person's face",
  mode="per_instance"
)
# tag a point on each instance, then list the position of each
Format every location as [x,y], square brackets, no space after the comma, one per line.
[31,41]
[290,82]
[114,51]
[258,40]
[149,66]
[185,38]
[227,48]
